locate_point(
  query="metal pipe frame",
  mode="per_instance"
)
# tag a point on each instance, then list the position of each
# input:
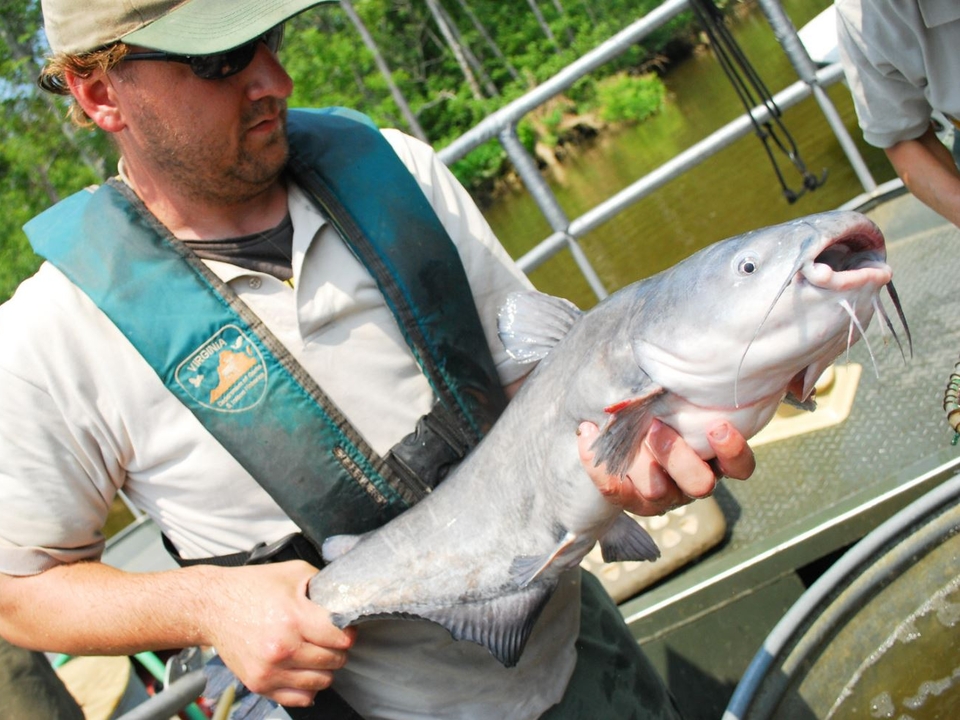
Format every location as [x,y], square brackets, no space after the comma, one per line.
[502,124]
[674,168]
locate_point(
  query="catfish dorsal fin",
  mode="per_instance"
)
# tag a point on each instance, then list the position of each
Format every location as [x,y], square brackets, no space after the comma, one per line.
[531,323]
[628,540]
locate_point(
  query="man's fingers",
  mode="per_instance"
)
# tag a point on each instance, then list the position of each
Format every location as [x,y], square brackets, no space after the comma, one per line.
[647,489]
[667,472]
[301,689]
[309,671]
[608,485]
[734,456]
[323,634]
[692,475]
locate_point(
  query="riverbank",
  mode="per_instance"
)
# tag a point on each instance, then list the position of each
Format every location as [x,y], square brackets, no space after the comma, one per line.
[598,107]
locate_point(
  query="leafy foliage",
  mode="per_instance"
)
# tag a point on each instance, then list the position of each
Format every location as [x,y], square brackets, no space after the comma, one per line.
[42,157]
[501,51]
[626,98]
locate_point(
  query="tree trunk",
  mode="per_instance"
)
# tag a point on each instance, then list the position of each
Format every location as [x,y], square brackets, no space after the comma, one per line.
[412,123]
[494,48]
[456,49]
[543,23]
[471,59]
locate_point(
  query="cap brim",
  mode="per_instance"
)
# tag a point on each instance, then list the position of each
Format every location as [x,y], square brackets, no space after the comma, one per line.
[201,27]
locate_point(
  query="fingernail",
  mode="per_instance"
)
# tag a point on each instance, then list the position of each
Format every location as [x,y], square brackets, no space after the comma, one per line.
[720,432]
[659,441]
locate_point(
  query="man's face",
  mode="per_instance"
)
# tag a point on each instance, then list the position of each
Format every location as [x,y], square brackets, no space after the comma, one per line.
[218,140]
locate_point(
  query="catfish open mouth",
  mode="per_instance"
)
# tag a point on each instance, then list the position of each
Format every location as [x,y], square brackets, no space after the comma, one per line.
[852,260]
[849,261]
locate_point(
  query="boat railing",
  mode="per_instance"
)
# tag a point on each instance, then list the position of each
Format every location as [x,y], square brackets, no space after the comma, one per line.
[502,126]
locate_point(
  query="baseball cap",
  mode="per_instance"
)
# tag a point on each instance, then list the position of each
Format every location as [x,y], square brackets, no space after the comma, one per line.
[183,27]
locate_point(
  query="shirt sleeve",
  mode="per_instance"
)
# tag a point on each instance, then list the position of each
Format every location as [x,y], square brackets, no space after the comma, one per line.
[52,508]
[890,108]
[490,270]
[61,454]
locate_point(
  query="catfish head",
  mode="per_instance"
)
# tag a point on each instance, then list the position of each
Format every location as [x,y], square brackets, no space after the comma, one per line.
[738,325]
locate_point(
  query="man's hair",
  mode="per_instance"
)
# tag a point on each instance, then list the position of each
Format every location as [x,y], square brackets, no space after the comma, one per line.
[53,75]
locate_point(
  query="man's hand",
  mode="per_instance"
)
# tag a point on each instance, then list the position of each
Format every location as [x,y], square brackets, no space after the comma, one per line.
[667,473]
[277,642]
[259,618]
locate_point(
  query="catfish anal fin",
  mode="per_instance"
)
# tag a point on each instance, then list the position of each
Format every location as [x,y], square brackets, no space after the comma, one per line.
[502,624]
[337,545]
[501,620]
[628,540]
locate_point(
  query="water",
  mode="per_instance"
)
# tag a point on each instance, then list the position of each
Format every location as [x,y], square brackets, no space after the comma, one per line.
[916,672]
[734,191]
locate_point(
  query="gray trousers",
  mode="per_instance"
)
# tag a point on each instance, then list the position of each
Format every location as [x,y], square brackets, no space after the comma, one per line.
[29,688]
[613,678]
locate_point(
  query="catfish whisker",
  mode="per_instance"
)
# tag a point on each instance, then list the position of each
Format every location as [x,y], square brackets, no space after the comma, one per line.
[776,299]
[882,312]
[895,299]
[885,326]
[854,321]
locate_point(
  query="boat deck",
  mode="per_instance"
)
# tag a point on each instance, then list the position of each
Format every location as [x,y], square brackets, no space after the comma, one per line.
[815,494]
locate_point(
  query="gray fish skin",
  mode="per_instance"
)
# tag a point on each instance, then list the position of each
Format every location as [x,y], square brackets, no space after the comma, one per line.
[721,335]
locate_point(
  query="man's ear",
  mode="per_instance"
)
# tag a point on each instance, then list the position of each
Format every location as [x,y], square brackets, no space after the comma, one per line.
[98,98]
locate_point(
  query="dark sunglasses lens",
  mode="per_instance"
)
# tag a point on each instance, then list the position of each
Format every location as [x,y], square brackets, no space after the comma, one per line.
[273,38]
[225,64]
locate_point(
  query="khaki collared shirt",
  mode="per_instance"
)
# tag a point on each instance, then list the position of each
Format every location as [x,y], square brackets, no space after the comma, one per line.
[902,61]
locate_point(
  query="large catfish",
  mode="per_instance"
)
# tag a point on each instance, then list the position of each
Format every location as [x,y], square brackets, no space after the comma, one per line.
[724,334]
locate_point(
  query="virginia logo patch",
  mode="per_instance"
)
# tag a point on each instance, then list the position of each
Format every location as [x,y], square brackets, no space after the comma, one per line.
[226,373]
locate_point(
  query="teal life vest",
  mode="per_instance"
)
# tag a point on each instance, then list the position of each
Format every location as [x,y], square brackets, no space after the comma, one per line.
[235,376]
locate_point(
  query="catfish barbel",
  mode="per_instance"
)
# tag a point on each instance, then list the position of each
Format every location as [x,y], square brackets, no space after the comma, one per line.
[726,333]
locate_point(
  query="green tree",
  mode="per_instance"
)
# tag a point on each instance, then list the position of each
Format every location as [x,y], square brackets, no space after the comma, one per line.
[43,157]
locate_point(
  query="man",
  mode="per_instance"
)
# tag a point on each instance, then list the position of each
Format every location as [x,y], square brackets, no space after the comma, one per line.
[901,61]
[195,97]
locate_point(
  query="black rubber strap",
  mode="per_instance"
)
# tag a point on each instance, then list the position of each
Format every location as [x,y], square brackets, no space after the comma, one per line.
[326,706]
[291,547]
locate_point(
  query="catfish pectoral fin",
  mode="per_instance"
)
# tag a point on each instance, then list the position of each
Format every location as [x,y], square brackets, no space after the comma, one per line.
[627,540]
[619,440]
[527,568]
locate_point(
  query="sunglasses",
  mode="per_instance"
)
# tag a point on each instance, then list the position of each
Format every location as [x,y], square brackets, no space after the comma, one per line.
[217,66]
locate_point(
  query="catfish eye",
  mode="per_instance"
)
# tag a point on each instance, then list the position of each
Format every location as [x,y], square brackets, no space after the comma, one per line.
[748,266]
